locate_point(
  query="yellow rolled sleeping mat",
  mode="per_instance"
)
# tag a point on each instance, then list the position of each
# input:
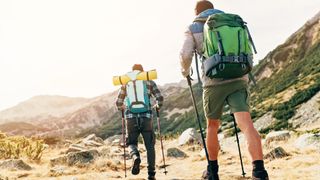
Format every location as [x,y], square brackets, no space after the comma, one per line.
[144,75]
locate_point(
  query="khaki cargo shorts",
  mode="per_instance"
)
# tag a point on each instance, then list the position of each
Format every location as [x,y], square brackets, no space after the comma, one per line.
[235,94]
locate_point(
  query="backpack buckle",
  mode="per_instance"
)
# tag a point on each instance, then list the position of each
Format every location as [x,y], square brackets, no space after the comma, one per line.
[236,59]
[221,66]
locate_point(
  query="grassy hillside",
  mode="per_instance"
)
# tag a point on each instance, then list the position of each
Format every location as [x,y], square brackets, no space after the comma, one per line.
[287,77]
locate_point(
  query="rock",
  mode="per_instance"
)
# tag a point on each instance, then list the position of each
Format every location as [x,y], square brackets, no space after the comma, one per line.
[76,158]
[14,164]
[3,178]
[112,138]
[58,171]
[92,143]
[308,114]
[93,140]
[308,140]
[221,136]
[264,121]
[230,143]
[175,152]
[104,151]
[115,142]
[76,148]
[277,136]
[276,153]
[189,136]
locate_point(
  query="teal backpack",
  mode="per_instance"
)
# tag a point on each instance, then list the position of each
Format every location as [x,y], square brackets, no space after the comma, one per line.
[227,46]
[137,99]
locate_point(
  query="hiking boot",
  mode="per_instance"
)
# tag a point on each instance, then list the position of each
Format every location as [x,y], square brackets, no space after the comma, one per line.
[260,175]
[151,176]
[207,176]
[136,165]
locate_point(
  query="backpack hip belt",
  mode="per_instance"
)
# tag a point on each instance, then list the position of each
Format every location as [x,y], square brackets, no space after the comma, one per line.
[218,61]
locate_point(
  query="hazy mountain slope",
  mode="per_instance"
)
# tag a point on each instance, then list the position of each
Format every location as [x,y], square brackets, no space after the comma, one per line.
[295,48]
[42,107]
[287,77]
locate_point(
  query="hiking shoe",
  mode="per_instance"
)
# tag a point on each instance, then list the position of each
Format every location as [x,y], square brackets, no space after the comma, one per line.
[136,166]
[260,175]
[151,175]
[206,176]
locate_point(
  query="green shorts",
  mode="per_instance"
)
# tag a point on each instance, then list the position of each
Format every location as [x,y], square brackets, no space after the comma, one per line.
[235,94]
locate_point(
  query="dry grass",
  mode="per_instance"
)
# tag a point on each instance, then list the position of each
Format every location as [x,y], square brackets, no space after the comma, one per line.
[302,165]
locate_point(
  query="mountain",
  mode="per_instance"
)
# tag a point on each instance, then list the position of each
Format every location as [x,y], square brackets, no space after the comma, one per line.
[288,80]
[288,77]
[42,107]
[297,46]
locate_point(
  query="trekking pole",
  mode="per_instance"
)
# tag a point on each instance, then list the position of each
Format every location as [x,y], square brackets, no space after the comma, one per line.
[159,129]
[235,128]
[124,143]
[198,118]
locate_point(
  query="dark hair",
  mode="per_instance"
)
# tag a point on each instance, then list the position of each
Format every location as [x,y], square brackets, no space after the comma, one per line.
[137,67]
[203,5]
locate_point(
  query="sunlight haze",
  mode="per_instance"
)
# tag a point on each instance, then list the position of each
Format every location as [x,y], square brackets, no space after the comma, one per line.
[74,47]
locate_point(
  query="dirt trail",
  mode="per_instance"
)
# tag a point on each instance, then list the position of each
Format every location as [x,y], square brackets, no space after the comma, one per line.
[302,165]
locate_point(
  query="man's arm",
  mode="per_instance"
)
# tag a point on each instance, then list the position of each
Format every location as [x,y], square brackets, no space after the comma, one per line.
[186,53]
[156,93]
[121,96]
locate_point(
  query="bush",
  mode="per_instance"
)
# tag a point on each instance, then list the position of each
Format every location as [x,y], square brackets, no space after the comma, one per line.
[18,146]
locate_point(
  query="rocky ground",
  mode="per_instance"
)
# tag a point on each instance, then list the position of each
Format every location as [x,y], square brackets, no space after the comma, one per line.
[288,156]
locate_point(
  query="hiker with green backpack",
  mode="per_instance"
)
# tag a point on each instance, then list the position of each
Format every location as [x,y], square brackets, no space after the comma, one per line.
[134,100]
[226,48]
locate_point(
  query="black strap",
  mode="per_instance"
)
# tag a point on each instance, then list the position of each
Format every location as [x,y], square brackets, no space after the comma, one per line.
[135,90]
[250,39]
[220,46]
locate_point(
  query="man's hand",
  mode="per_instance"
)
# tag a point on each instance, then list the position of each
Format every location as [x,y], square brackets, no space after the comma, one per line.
[123,107]
[185,73]
[156,107]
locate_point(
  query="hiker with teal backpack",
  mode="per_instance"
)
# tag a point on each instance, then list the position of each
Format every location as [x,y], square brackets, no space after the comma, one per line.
[134,100]
[226,49]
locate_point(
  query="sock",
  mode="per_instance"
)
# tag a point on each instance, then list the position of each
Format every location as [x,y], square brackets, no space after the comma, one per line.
[214,166]
[258,165]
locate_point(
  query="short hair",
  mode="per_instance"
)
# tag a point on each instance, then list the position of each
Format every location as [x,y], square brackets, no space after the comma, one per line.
[203,5]
[137,67]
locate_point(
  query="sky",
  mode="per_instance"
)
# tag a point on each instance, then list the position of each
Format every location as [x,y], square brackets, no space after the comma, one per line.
[74,47]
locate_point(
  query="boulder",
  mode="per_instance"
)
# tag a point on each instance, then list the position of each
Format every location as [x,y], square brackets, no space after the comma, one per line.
[109,140]
[76,148]
[276,153]
[76,158]
[277,136]
[308,140]
[264,121]
[92,143]
[14,164]
[307,116]
[176,153]
[93,140]
[189,136]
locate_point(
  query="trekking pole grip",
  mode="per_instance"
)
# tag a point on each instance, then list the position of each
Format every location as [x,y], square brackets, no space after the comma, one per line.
[189,80]
[158,112]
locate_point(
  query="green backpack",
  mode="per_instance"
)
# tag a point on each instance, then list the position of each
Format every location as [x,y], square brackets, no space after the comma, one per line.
[227,47]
